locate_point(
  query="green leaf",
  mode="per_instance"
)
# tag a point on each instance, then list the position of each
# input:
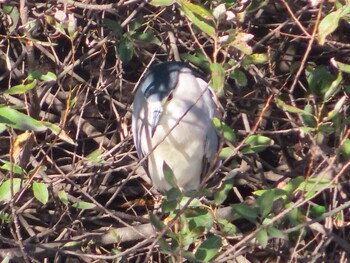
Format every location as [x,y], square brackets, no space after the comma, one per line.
[317,211]
[217,76]
[199,217]
[84,205]
[265,203]
[277,193]
[341,66]
[198,59]
[162,2]
[12,11]
[262,237]
[246,211]
[15,168]
[126,50]
[5,188]
[345,149]
[224,129]
[281,104]
[169,175]
[5,218]
[156,222]
[197,9]
[35,74]
[327,26]
[315,184]
[113,25]
[221,194]
[94,157]
[49,76]
[336,109]
[309,118]
[21,89]
[227,152]
[208,249]
[257,143]
[275,233]
[227,227]
[241,42]
[293,184]
[219,12]
[333,88]
[40,192]
[18,120]
[146,37]
[319,79]
[258,58]
[239,77]
[58,131]
[62,195]
[199,22]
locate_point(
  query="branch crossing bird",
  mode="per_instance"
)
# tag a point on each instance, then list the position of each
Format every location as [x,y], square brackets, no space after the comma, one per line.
[172,124]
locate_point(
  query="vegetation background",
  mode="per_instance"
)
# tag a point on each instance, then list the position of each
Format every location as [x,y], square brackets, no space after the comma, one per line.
[71,189]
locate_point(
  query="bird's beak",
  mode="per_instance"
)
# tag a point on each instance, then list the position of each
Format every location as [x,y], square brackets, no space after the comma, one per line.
[155,118]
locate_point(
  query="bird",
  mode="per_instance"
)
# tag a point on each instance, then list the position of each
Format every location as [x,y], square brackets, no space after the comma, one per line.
[172,125]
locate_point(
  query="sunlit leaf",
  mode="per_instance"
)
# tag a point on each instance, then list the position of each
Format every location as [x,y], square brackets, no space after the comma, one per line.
[21,89]
[208,249]
[224,129]
[199,217]
[161,2]
[227,152]
[199,22]
[15,168]
[84,205]
[227,227]
[327,26]
[95,156]
[333,88]
[217,76]
[257,143]
[5,188]
[317,211]
[40,192]
[315,184]
[338,106]
[18,120]
[345,148]
[281,104]
[12,11]
[256,58]
[198,59]
[262,237]
[58,131]
[265,203]
[275,233]
[197,9]
[62,195]
[341,66]
[221,194]
[219,12]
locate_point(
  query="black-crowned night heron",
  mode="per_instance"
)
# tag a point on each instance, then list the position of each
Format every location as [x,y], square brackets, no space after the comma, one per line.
[172,123]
